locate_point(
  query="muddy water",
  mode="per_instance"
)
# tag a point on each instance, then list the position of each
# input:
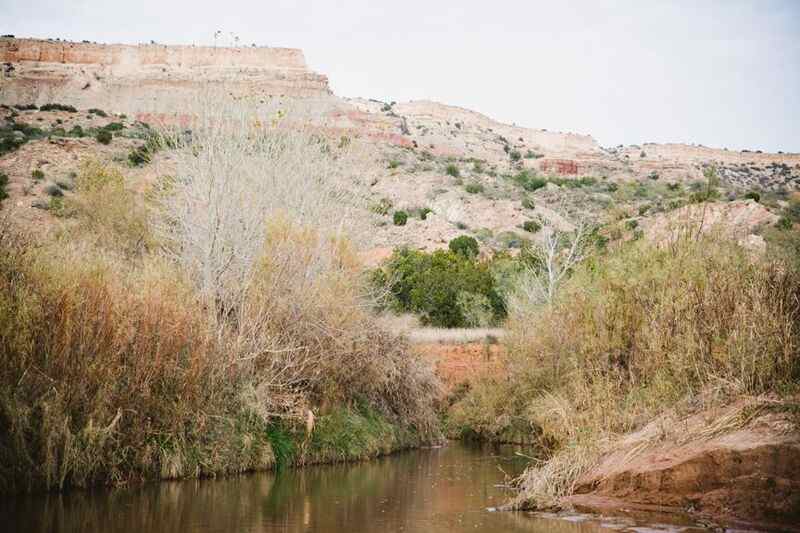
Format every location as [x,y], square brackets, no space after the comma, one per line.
[433,490]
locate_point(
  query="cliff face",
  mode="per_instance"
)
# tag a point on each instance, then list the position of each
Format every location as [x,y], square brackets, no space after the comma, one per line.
[126,77]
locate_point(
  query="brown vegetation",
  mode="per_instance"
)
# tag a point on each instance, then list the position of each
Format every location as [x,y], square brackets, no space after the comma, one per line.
[633,336]
[119,365]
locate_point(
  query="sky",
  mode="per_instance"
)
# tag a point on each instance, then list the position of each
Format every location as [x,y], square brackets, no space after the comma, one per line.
[722,73]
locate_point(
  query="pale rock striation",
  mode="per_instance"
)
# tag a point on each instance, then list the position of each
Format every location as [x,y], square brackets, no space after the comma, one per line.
[129,78]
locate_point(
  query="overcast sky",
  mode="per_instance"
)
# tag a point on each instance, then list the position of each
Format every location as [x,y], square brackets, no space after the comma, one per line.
[719,73]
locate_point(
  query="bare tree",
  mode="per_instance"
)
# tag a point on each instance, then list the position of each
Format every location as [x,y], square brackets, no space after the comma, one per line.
[241,174]
[559,252]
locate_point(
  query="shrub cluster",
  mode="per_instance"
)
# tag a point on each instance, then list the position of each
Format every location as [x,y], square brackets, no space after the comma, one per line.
[528,180]
[104,136]
[453,170]
[445,288]
[58,107]
[3,185]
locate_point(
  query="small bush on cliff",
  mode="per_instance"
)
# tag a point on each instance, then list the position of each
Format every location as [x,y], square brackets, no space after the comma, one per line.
[474,188]
[3,185]
[104,137]
[400,218]
[114,126]
[753,195]
[464,246]
[528,181]
[531,226]
[453,170]
[58,107]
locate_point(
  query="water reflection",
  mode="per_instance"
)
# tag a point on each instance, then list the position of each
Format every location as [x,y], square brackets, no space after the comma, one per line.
[436,490]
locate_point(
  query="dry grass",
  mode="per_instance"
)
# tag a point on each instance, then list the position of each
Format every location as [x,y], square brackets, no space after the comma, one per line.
[645,330]
[107,371]
[161,337]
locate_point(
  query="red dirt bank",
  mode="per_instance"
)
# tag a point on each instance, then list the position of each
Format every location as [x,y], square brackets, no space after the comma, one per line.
[751,473]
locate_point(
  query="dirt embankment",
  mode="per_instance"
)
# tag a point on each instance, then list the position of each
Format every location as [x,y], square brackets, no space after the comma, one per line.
[741,463]
[459,363]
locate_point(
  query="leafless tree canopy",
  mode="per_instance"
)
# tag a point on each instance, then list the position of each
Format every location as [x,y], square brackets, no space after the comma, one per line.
[241,169]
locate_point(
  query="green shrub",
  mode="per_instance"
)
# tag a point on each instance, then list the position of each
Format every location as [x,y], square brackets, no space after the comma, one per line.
[528,181]
[114,126]
[104,137]
[28,130]
[515,155]
[527,203]
[26,107]
[531,226]
[464,246]
[632,224]
[98,112]
[400,218]
[474,188]
[77,131]
[452,170]
[58,107]
[423,213]
[430,285]
[394,163]
[3,185]
[753,195]
[530,154]
[37,174]
[784,223]
[574,183]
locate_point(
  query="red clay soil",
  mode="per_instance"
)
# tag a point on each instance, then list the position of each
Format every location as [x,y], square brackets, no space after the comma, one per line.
[461,363]
[750,474]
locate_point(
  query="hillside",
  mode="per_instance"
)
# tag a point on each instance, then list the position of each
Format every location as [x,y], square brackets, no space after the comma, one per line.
[465,171]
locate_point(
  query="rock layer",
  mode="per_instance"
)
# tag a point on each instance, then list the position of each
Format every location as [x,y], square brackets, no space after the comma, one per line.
[128,78]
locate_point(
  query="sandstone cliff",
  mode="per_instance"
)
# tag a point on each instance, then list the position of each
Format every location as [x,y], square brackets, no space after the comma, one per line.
[127,77]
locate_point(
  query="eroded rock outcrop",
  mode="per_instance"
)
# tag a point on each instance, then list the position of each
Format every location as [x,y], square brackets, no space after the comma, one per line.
[744,464]
[129,78]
